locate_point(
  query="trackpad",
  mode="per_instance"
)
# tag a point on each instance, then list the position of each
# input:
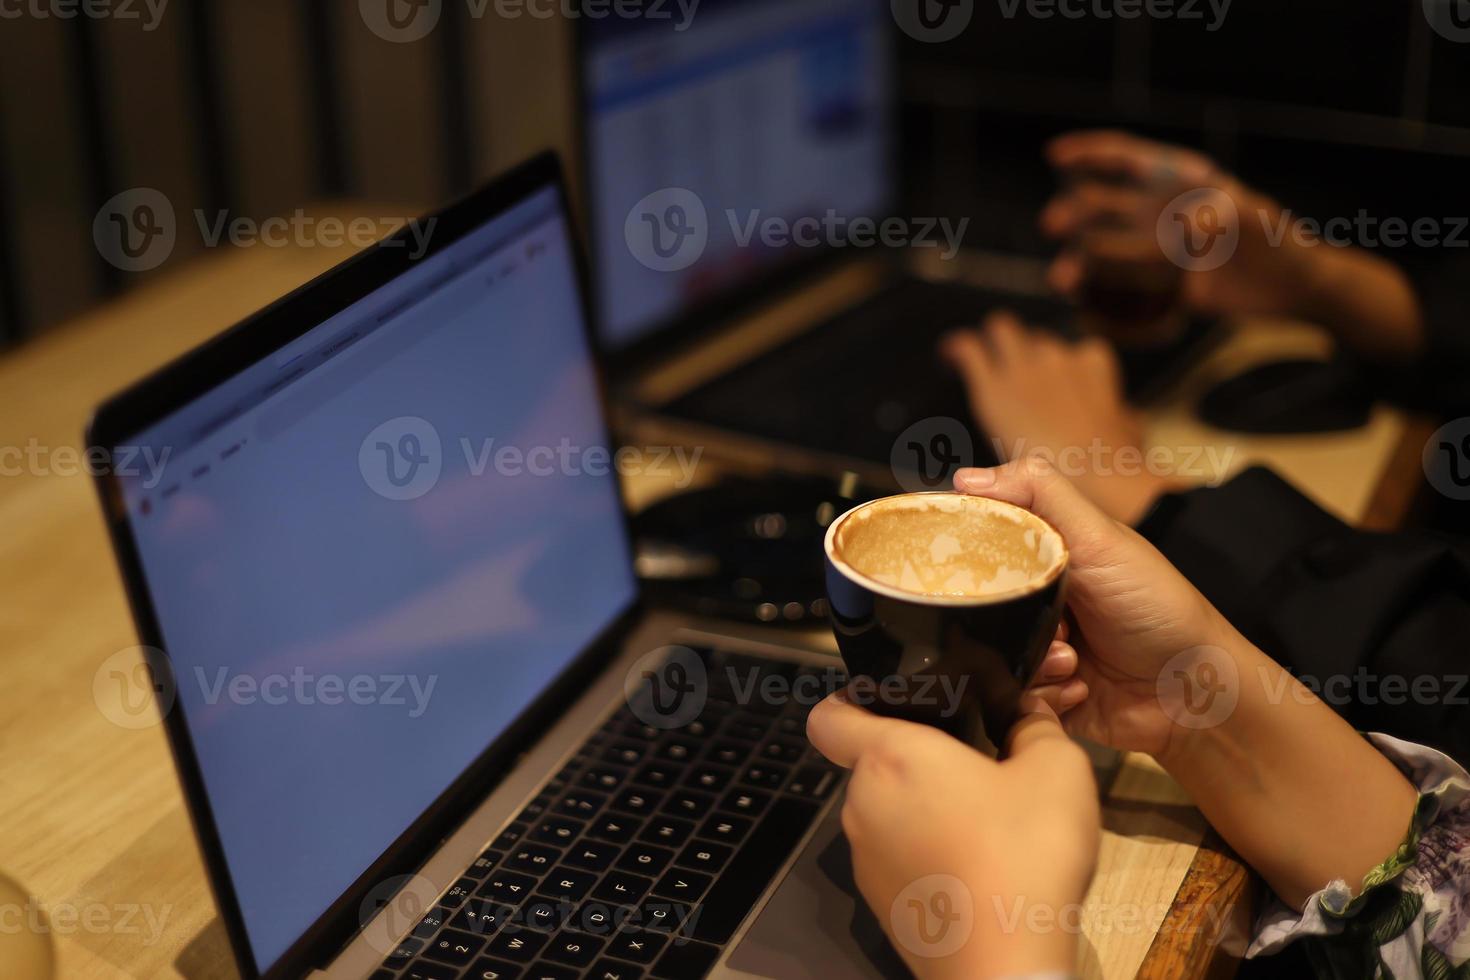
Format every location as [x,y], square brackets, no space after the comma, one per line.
[816,926]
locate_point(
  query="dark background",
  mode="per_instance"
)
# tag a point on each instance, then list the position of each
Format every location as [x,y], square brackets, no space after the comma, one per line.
[261,106]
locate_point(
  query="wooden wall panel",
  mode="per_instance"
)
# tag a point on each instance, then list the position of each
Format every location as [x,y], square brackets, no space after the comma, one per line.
[271,135]
[56,268]
[154,127]
[392,112]
[521,93]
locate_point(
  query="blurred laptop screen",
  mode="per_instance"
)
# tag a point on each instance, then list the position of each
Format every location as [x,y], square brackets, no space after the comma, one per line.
[760,108]
[370,552]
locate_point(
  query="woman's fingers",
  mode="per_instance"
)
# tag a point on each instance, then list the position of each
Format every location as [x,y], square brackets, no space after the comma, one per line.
[1059,664]
[844,732]
[1034,483]
[1060,698]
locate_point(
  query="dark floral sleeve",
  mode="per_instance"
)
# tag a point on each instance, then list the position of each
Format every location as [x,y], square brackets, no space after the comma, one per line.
[1411,915]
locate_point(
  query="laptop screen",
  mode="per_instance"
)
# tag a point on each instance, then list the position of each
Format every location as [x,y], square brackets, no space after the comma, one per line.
[370,552]
[746,111]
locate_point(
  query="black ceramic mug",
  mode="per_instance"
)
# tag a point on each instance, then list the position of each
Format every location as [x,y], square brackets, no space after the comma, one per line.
[944,606]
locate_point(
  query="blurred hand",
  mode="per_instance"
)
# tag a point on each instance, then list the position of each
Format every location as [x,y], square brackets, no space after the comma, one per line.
[1032,391]
[1134,612]
[948,844]
[1118,186]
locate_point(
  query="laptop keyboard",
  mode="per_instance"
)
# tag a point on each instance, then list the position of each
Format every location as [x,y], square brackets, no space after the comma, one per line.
[641,858]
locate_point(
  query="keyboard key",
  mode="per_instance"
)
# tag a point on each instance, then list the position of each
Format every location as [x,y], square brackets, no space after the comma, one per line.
[709,778]
[604,778]
[792,725]
[535,809]
[625,752]
[645,859]
[766,776]
[488,969]
[660,915]
[510,836]
[558,831]
[454,947]
[518,946]
[677,750]
[637,802]
[567,883]
[638,947]
[638,730]
[430,923]
[574,948]
[404,952]
[813,782]
[745,802]
[483,864]
[429,970]
[745,729]
[622,888]
[783,751]
[726,829]
[659,775]
[459,892]
[614,828]
[385,975]
[735,891]
[729,753]
[689,803]
[533,858]
[705,857]
[545,914]
[507,888]
[592,855]
[581,804]
[598,918]
[687,961]
[613,970]
[482,918]
[698,730]
[682,885]
[552,971]
[667,831]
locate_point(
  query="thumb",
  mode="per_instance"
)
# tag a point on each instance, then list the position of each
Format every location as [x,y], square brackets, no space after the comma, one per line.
[1033,482]
[1037,726]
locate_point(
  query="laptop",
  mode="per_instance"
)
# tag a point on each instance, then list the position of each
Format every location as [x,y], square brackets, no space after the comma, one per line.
[425,725]
[698,132]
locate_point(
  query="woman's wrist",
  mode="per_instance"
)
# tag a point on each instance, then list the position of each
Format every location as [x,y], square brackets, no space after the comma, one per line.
[1215,693]
[1366,302]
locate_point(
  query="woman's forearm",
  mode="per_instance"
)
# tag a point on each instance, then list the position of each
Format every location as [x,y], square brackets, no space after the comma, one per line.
[1367,302]
[1300,795]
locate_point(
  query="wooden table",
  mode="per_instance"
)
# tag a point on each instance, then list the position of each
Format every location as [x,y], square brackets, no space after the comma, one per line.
[94,828]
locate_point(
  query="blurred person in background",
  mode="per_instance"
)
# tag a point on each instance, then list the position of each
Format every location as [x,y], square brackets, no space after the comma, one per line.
[1370,613]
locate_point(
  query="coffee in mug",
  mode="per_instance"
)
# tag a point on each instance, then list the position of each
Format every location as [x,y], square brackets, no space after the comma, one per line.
[943,606]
